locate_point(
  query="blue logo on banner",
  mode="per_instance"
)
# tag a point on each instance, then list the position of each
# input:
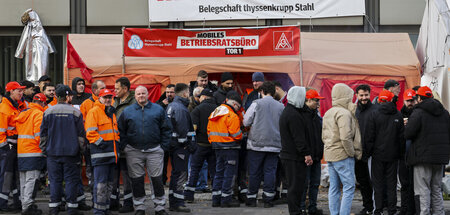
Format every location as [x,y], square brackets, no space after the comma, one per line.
[135,42]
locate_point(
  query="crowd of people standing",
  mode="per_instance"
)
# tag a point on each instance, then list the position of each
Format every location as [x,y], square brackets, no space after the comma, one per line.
[269,136]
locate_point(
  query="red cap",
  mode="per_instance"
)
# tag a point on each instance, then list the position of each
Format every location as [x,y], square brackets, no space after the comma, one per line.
[40,97]
[409,94]
[312,94]
[105,92]
[13,85]
[425,91]
[386,95]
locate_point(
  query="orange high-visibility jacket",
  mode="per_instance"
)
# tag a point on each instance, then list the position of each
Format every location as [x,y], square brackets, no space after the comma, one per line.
[8,113]
[28,126]
[224,128]
[52,103]
[103,134]
[87,105]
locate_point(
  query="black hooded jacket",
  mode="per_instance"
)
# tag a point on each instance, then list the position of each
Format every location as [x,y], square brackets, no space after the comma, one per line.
[363,112]
[220,95]
[200,116]
[194,84]
[429,129]
[78,99]
[385,133]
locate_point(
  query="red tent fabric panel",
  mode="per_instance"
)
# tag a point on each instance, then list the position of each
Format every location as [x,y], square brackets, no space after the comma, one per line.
[376,87]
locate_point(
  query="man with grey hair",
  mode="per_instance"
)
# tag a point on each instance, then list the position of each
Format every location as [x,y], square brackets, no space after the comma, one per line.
[194,100]
[144,135]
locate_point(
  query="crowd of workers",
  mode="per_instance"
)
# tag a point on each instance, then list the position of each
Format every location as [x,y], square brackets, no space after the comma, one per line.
[269,136]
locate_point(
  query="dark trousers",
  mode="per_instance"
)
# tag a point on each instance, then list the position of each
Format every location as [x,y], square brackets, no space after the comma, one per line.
[8,176]
[296,176]
[384,178]
[65,169]
[227,161]
[200,155]
[262,165]
[242,179]
[406,176]
[312,183]
[281,184]
[365,185]
[166,162]
[179,161]
[121,167]
[103,184]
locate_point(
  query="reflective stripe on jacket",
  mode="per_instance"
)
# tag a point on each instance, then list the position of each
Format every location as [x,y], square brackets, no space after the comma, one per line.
[224,130]
[8,113]
[28,124]
[103,134]
[52,103]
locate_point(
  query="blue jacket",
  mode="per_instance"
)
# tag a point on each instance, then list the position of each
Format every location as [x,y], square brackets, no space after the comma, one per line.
[144,127]
[62,131]
[183,134]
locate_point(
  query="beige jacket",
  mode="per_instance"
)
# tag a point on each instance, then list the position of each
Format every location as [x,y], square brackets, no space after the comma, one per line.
[340,132]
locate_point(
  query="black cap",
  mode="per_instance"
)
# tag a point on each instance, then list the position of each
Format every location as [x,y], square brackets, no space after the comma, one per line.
[44,78]
[226,76]
[233,95]
[206,92]
[390,83]
[63,90]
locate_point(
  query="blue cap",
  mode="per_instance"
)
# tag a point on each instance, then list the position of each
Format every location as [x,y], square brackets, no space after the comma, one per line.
[258,76]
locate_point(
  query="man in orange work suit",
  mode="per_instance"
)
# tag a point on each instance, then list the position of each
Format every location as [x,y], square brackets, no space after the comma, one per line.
[30,158]
[103,136]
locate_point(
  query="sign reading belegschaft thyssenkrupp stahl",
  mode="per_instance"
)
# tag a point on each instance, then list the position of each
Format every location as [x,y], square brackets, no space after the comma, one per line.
[273,41]
[196,10]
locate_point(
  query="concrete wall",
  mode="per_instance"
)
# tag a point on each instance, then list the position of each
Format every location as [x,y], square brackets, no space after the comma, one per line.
[401,12]
[117,12]
[51,12]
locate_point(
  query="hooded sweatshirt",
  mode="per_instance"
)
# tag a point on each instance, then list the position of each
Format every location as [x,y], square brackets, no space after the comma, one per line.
[429,129]
[78,98]
[340,131]
[294,128]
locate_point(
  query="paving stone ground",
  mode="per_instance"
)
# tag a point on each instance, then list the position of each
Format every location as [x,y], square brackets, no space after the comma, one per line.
[202,205]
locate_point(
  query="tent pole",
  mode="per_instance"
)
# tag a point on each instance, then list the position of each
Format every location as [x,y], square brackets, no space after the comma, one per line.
[300,56]
[123,52]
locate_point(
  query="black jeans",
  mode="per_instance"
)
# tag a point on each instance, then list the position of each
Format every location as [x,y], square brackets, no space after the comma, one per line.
[406,176]
[296,176]
[384,176]
[365,185]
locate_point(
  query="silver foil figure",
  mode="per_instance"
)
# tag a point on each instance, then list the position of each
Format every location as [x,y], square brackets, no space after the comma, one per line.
[36,46]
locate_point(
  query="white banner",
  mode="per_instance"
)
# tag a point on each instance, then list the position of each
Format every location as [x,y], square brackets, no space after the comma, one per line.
[199,10]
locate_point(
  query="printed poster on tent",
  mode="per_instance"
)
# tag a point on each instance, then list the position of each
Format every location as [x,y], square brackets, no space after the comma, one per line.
[240,42]
[204,10]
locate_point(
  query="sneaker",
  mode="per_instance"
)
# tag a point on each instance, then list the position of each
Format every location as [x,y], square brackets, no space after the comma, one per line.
[162,212]
[364,211]
[231,204]
[82,206]
[126,209]
[268,205]
[140,212]
[315,212]
[251,203]
[180,208]
[53,211]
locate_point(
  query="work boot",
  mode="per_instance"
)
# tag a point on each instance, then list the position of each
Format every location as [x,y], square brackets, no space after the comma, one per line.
[364,211]
[75,212]
[161,212]
[62,207]
[315,212]
[53,211]
[10,210]
[140,212]
[180,208]
[114,207]
[231,204]
[126,209]
[189,199]
[82,206]
[268,205]
[242,197]
[251,202]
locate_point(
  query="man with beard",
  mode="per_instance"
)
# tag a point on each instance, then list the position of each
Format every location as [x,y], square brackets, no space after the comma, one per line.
[43,80]
[202,81]
[405,173]
[257,80]
[363,111]
[49,92]
[385,140]
[167,97]
[78,86]
[280,94]
[226,85]
[28,92]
